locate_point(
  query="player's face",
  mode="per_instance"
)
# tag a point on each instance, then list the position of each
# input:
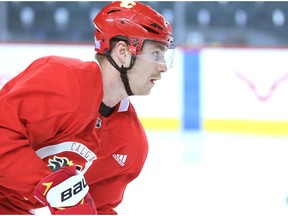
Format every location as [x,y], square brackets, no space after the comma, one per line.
[148,67]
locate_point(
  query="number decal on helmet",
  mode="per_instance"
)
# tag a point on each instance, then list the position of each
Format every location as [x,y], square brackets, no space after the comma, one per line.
[127,4]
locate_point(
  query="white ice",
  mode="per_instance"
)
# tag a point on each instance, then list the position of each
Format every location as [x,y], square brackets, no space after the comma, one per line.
[205,174]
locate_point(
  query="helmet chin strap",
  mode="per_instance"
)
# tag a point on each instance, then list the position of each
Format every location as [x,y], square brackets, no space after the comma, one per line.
[123,71]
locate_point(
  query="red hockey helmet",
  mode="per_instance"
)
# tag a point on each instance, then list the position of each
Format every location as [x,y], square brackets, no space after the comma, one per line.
[133,21]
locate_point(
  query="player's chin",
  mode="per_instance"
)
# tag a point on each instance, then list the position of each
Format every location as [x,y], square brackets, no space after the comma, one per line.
[148,92]
[149,87]
[144,92]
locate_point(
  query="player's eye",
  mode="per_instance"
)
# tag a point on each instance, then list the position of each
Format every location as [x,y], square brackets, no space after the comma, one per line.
[158,56]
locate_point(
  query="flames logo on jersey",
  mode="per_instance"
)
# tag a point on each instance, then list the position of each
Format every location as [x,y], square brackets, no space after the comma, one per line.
[58,162]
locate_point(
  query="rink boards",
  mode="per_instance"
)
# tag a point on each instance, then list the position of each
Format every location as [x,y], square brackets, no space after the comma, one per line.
[244,90]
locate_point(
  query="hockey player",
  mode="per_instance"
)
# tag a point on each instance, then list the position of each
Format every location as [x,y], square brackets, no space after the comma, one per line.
[69,137]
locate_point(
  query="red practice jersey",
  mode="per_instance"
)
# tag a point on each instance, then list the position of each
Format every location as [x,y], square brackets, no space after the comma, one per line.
[120,158]
[49,118]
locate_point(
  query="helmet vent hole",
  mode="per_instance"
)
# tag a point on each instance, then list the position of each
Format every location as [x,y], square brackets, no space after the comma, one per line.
[150,30]
[113,11]
[156,26]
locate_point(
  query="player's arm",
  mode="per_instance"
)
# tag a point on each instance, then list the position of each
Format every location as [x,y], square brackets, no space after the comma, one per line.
[30,113]
[20,167]
[38,108]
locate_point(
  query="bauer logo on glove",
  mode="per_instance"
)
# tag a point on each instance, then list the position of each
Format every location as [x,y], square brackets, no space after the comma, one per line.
[65,191]
[69,192]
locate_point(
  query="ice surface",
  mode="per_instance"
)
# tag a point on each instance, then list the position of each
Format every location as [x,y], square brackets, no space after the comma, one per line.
[201,173]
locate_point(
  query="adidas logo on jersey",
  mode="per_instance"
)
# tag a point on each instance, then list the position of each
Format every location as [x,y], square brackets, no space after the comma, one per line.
[120,158]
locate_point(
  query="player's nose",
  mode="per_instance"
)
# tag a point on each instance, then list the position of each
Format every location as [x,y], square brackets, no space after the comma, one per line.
[161,68]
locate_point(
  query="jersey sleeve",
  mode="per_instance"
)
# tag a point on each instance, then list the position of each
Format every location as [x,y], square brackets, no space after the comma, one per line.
[39,97]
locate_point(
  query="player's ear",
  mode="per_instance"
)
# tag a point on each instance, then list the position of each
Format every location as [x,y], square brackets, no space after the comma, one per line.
[122,53]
